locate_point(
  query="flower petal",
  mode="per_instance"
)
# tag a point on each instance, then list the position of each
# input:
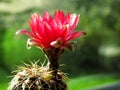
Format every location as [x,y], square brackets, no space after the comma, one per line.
[74,21]
[31,42]
[24,32]
[56,43]
[47,16]
[75,35]
[47,31]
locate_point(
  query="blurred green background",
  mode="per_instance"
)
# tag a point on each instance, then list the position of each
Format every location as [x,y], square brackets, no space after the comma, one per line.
[96,59]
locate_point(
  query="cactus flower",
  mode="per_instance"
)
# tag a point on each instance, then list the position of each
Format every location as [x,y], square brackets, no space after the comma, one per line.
[52,34]
[47,32]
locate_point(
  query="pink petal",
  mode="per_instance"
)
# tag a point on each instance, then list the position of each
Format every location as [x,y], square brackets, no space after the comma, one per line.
[54,28]
[40,18]
[35,26]
[32,24]
[64,32]
[47,16]
[59,24]
[75,35]
[67,20]
[36,16]
[35,22]
[56,14]
[47,30]
[59,17]
[24,32]
[74,21]
[31,42]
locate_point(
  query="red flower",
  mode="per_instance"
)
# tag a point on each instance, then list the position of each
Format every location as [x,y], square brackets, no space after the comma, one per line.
[48,32]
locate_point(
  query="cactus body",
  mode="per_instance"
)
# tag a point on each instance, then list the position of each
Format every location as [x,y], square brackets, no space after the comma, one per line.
[35,77]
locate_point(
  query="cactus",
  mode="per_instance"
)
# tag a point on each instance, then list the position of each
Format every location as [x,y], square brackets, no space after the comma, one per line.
[35,77]
[52,35]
